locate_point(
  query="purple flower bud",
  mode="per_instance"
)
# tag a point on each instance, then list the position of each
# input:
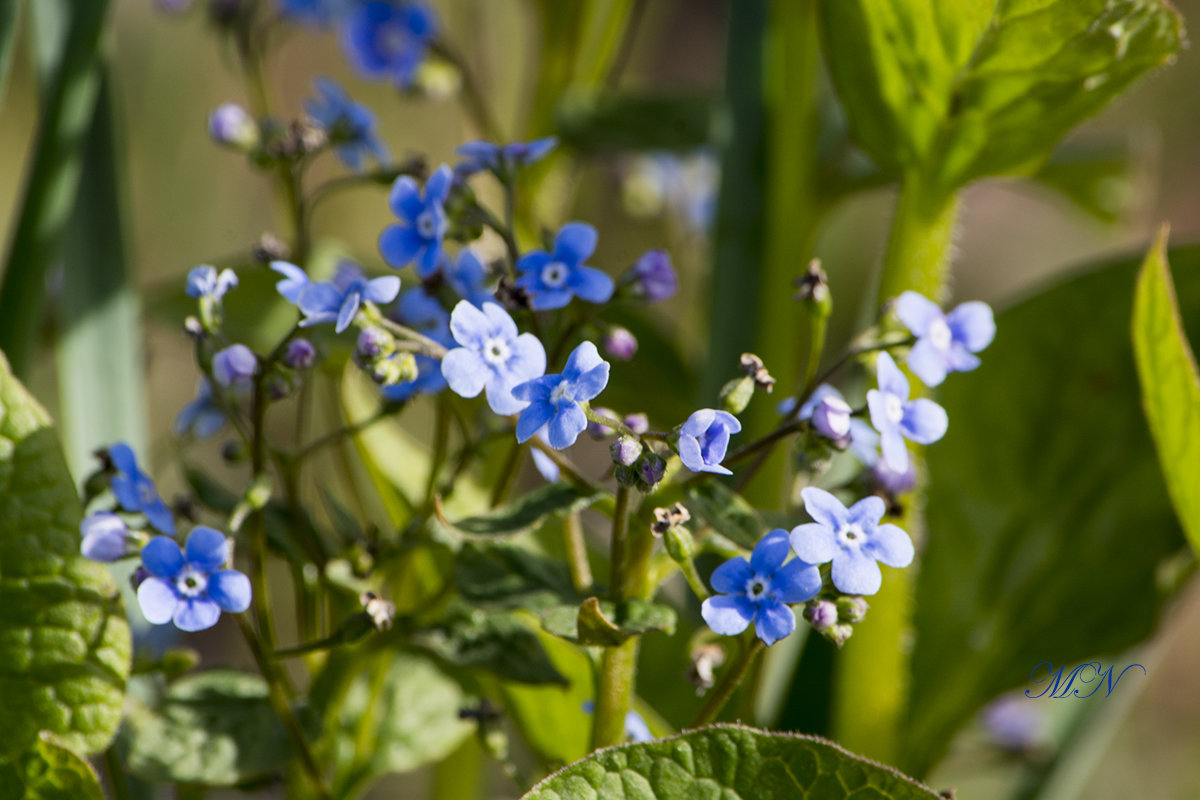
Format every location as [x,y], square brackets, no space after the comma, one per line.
[625,451]
[821,614]
[103,537]
[374,342]
[140,574]
[232,126]
[852,608]
[300,354]
[620,343]
[638,423]
[651,469]
[235,364]
[595,429]
[831,419]
[654,277]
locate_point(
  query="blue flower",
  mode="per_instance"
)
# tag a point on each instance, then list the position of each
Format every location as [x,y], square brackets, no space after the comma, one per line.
[704,438]
[205,282]
[945,342]
[135,491]
[502,159]
[864,441]
[234,365]
[338,300]
[554,400]
[103,536]
[896,418]
[202,417]
[293,283]
[422,312]
[419,237]
[349,125]
[552,279]
[852,539]
[653,276]
[760,591]
[388,41]
[191,588]
[492,356]
[467,278]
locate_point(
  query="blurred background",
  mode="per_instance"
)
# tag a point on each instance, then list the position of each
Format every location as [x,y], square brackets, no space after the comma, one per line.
[191,202]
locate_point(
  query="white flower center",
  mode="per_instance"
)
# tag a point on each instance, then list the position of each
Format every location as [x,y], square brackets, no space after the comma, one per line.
[851,536]
[756,587]
[893,407]
[496,351]
[939,334]
[191,582]
[554,274]
[426,225]
[560,393]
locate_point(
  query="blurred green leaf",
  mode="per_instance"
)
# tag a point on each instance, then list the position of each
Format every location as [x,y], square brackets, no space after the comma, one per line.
[48,771]
[499,643]
[214,728]
[601,622]
[729,761]
[1170,385]
[10,13]
[1047,515]
[64,641]
[504,575]
[597,122]
[1101,180]
[726,512]
[385,710]
[531,510]
[964,90]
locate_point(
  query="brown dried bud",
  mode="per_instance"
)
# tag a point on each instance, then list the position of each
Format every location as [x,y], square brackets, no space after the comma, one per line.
[667,518]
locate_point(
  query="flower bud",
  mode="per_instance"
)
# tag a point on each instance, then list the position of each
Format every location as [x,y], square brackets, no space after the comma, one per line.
[398,368]
[598,430]
[300,354]
[813,291]
[230,125]
[374,343]
[851,609]
[620,343]
[650,470]
[821,614]
[681,547]
[736,394]
[103,537]
[233,365]
[625,451]
[638,423]
[831,419]
[838,634]
[653,276]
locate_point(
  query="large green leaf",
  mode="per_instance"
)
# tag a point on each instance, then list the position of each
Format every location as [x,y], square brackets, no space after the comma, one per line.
[64,641]
[500,643]
[214,728]
[500,574]
[985,87]
[48,771]
[729,762]
[1046,509]
[727,512]
[1170,386]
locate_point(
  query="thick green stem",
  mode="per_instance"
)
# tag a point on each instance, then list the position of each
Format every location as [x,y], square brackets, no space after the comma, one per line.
[730,681]
[921,242]
[577,559]
[614,684]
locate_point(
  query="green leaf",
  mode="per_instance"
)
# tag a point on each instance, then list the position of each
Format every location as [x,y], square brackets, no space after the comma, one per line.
[1047,516]
[499,643]
[531,510]
[1170,386]
[9,23]
[727,512]
[964,90]
[499,574]
[593,122]
[601,622]
[385,711]
[730,762]
[214,728]
[1101,180]
[64,641]
[48,771]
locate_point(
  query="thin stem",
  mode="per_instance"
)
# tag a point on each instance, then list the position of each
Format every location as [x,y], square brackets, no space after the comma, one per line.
[441,441]
[620,531]
[116,775]
[508,474]
[428,346]
[730,681]
[334,435]
[577,559]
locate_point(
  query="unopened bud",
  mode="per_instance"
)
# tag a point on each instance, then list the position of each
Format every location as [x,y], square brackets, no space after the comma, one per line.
[625,451]
[638,423]
[831,419]
[300,354]
[230,125]
[852,609]
[651,468]
[681,547]
[373,343]
[821,614]
[598,430]
[620,343]
[736,394]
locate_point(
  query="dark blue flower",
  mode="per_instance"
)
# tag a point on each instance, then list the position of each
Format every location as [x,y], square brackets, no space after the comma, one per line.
[554,400]
[234,365]
[502,159]
[467,277]
[552,279]
[293,283]
[202,417]
[852,539]
[205,282]
[388,40]
[191,588]
[135,491]
[349,125]
[760,590]
[492,356]
[423,223]
[897,418]
[103,536]
[338,300]
[653,277]
[704,438]
[945,342]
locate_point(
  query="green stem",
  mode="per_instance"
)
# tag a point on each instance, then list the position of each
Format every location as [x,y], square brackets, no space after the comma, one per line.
[508,474]
[921,241]
[620,531]
[614,683]
[116,776]
[577,559]
[730,681]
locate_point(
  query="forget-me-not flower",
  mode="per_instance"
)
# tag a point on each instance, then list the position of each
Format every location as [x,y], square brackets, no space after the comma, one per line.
[191,587]
[897,418]
[491,356]
[202,417]
[760,590]
[502,159]
[467,277]
[349,125]
[103,536]
[554,400]
[388,40]
[234,365]
[552,279]
[852,539]
[704,438]
[205,282]
[293,283]
[135,491]
[423,223]
[945,342]
[339,300]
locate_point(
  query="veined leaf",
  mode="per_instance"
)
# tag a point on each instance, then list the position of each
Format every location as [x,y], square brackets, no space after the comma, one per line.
[48,771]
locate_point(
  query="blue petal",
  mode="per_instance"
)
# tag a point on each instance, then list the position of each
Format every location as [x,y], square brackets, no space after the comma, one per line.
[575,242]
[582,358]
[773,622]
[438,185]
[728,421]
[891,545]
[770,552]
[856,573]
[592,285]
[689,453]
[917,312]
[125,490]
[295,279]
[405,199]
[207,550]
[924,421]
[727,614]
[532,419]
[427,262]
[891,379]
[123,459]
[382,290]
[732,576]
[591,383]
[814,543]
[927,362]
[973,325]
[958,359]
[208,422]
[549,299]
[469,325]
[103,537]
[864,442]
[877,407]
[895,454]
[796,582]
[230,590]
[698,423]
[528,359]
[636,729]
[545,466]
[531,265]
[566,426]
[499,322]
[162,557]
[196,614]
[158,600]
[819,394]
[465,372]
[867,512]
[399,245]
[347,312]
[159,516]
[537,389]
[320,298]
[824,508]
[500,396]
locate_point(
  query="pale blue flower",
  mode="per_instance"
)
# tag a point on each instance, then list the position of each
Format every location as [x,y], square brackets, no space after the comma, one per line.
[945,342]
[555,400]
[205,282]
[104,536]
[492,356]
[388,40]
[704,438]
[897,418]
[202,417]
[502,159]
[350,126]
[339,300]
